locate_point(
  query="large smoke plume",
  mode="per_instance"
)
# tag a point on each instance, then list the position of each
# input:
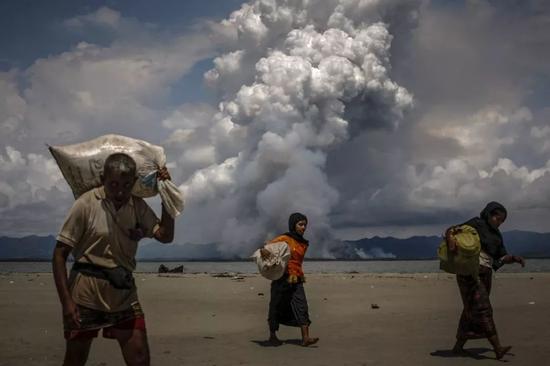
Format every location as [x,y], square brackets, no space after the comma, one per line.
[295,77]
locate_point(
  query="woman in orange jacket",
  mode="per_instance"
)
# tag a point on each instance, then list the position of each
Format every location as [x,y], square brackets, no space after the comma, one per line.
[288,304]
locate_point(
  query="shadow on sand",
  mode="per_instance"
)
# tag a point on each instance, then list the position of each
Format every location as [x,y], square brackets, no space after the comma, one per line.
[294,342]
[475,353]
[266,343]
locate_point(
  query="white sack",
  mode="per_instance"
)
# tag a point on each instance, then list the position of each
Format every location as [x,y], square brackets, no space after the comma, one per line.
[273,267]
[82,166]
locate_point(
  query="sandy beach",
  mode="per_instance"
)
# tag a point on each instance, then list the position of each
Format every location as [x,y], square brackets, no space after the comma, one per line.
[199,319]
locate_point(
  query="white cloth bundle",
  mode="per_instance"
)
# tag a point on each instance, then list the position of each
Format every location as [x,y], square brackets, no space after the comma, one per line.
[82,166]
[273,267]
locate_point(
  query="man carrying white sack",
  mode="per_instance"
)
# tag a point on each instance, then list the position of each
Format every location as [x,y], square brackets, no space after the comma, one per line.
[102,231]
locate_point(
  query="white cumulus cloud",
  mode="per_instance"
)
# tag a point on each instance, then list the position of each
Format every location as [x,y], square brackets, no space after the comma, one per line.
[285,113]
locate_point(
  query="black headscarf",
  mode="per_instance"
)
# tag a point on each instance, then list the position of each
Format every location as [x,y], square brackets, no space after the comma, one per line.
[292,221]
[490,238]
[490,209]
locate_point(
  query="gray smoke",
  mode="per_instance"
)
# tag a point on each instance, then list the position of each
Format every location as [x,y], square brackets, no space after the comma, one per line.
[295,78]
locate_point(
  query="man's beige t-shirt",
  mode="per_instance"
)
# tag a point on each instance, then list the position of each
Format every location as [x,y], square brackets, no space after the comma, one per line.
[98,234]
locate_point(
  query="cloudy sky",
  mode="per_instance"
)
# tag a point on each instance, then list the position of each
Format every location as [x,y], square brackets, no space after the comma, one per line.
[373,117]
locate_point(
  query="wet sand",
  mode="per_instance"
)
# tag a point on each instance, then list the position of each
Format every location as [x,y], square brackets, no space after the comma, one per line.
[197,319]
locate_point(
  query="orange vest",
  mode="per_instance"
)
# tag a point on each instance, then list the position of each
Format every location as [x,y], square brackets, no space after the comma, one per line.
[297,253]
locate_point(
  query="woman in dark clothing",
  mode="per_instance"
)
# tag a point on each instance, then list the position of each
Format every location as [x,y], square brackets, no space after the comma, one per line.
[476,320]
[288,304]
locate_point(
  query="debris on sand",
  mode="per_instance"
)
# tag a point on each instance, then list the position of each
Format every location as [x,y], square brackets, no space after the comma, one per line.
[165,269]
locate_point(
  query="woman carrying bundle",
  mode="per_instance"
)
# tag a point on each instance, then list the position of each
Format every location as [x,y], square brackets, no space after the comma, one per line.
[476,320]
[288,304]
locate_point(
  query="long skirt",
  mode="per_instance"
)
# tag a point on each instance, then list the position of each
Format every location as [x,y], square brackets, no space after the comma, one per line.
[288,305]
[476,320]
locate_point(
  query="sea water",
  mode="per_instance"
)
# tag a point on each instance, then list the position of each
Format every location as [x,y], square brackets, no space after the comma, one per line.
[311,266]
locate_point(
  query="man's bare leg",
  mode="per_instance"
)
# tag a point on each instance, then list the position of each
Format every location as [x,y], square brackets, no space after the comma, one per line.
[76,352]
[134,347]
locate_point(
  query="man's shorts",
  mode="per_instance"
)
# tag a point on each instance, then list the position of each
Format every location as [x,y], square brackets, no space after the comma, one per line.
[91,321]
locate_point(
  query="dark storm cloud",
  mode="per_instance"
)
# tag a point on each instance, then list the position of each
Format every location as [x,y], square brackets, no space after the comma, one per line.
[475,134]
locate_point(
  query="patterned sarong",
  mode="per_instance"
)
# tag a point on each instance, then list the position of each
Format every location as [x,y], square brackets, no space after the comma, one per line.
[476,320]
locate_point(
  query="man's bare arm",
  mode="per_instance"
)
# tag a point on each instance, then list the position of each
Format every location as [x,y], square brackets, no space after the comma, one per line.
[165,232]
[59,263]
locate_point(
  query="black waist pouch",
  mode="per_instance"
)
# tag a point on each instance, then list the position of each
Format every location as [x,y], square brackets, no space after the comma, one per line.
[119,277]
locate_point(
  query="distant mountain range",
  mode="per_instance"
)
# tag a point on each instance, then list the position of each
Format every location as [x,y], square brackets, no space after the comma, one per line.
[526,243]
[41,248]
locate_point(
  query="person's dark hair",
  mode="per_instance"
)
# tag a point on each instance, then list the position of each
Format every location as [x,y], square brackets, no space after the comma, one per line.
[294,219]
[119,162]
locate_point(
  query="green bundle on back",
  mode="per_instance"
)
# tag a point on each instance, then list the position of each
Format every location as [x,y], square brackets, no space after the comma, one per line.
[466,259]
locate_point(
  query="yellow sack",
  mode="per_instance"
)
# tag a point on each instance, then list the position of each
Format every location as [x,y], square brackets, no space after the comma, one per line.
[466,259]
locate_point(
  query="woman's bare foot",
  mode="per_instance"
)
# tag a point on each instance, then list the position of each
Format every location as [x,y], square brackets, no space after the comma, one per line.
[502,351]
[274,341]
[309,341]
[458,350]
[459,347]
